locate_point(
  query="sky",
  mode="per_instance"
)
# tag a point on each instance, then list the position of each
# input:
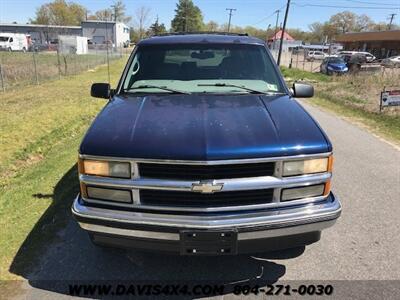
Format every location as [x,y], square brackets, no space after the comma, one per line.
[257,13]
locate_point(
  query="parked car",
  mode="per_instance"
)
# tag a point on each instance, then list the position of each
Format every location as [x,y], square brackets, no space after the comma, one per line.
[368,56]
[334,65]
[355,62]
[203,149]
[13,42]
[393,62]
[315,55]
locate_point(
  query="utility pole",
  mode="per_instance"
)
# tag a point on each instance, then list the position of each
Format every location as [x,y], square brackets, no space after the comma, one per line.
[276,27]
[277,20]
[230,17]
[283,32]
[391,20]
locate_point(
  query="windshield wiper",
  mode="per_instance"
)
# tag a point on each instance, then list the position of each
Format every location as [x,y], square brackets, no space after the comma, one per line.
[251,91]
[148,86]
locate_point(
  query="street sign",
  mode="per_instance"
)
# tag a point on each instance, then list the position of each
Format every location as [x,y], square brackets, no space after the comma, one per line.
[390,98]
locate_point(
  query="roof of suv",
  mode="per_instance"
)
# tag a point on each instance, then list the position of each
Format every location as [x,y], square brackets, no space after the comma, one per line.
[195,38]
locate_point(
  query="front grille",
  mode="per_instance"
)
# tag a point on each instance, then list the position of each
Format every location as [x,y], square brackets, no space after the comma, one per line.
[198,200]
[201,172]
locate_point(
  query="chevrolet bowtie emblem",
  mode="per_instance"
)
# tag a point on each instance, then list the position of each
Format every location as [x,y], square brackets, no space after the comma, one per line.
[207,187]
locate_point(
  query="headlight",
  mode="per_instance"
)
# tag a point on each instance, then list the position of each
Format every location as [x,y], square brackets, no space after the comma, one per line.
[107,194]
[303,192]
[309,166]
[105,168]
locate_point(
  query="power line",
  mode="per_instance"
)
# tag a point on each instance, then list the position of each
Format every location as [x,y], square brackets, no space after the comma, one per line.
[230,17]
[264,19]
[269,16]
[372,3]
[338,6]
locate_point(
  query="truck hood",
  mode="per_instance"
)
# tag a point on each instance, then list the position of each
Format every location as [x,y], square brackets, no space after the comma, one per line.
[203,127]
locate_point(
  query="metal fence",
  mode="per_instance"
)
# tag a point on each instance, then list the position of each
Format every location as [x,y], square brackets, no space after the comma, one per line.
[19,69]
[297,60]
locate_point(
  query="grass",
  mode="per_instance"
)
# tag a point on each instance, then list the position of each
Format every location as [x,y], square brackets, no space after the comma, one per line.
[384,125]
[297,74]
[355,97]
[41,130]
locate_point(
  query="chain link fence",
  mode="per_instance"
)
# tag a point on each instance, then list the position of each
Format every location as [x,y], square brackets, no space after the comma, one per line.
[19,69]
[292,59]
[298,60]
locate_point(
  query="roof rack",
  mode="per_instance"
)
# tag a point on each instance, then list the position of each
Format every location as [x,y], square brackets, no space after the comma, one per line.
[202,32]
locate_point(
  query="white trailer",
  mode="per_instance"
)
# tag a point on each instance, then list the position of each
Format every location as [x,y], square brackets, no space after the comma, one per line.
[69,44]
[13,42]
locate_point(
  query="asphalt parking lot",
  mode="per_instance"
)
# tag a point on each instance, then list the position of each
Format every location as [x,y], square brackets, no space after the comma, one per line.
[363,245]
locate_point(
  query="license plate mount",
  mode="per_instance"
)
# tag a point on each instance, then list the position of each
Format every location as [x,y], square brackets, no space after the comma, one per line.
[198,242]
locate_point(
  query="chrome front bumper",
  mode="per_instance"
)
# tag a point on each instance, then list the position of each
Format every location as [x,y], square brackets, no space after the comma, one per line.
[277,222]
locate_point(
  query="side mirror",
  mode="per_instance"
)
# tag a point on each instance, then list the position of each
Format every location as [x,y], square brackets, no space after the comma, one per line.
[303,90]
[100,90]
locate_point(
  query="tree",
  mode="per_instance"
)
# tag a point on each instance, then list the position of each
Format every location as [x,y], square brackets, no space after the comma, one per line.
[319,32]
[141,20]
[104,15]
[211,26]
[188,17]
[157,28]
[344,21]
[59,12]
[118,12]
[363,23]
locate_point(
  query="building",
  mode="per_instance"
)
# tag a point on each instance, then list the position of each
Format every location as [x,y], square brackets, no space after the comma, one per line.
[380,43]
[42,34]
[327,48]
[102,32]
[97,32]
[288,44]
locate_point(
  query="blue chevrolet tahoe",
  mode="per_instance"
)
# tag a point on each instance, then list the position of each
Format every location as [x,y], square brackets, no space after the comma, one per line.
[202,149]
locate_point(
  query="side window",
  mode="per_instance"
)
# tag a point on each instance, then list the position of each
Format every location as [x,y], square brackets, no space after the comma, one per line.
[133,71]
[11,40]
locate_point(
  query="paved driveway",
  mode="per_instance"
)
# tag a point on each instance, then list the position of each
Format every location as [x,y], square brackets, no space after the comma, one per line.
[363,245]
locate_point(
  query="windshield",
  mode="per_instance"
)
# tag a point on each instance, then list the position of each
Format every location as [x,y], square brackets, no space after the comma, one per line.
[4,38]
[202,68]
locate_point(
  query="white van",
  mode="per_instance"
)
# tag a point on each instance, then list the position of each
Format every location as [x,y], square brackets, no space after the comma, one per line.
[13,42]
